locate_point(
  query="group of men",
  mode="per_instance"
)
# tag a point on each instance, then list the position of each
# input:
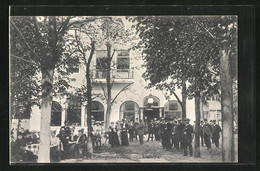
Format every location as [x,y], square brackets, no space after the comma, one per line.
[175,133]
[178,134]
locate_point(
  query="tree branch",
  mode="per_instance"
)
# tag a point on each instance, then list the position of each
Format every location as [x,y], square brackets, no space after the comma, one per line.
[24,59]
[176,96]
[103,89]
[30,49]
[123,89]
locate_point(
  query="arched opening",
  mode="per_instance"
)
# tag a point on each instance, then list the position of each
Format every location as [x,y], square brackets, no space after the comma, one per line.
[151,108]
[56,110]
[74,111]
[172,109]
[97,111]
[129,110]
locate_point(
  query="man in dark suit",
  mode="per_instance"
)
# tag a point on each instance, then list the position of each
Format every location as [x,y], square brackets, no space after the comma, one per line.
[215,133]
[179,134]
[207,131]
[124,137]
[187,137]
[64,136]
[79,146]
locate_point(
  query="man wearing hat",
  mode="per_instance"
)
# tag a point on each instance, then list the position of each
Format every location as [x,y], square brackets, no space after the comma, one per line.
[187,137]
[207,131]
[215,133]
[179,133]
[64,136]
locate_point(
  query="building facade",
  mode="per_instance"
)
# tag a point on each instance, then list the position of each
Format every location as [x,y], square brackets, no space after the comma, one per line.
[130,103]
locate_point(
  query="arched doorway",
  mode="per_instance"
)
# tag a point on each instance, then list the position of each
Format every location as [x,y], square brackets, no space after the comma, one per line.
[172,109]
[56,110]
[97,111]
[129,110]
[151,108]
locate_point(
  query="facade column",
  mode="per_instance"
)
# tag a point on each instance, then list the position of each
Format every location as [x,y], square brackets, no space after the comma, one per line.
[141,114]
[82,115]
[160,112]
[63,113]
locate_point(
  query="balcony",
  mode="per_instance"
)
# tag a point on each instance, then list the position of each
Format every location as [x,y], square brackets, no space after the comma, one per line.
[117,75]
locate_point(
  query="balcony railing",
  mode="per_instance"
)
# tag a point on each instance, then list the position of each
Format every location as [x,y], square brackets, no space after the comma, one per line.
[115,73]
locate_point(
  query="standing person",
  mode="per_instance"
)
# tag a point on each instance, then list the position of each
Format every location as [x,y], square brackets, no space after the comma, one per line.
[174,139]
[201,132]
[134,128]
[140,131]
[179,134]
[207,130]
[113,138]
[64,135]
[187,137]
[54,147]
[156,130]
[163,133]
[118,131]
[131,131]
[124,137]
[168,135]
[150,130]
[215,133]
[211,124]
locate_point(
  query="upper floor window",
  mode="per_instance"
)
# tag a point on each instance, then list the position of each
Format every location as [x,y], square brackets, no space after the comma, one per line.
[123,60]
[101,59]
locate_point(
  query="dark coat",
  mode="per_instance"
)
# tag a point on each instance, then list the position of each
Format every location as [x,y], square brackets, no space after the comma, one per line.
[179,130]
[140,128]
[207,129]
[215,132]
[187,133]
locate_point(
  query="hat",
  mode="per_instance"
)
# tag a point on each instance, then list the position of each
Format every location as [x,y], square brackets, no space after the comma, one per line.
[187,119]
[155,119]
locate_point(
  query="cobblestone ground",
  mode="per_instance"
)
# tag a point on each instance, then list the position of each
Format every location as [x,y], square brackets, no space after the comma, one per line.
[149,152]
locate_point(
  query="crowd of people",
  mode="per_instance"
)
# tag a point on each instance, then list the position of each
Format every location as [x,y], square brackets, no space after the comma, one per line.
[66,142]
[19,152]
[172,133]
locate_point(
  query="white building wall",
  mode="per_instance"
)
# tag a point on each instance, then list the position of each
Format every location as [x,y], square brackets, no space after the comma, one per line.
[136,92]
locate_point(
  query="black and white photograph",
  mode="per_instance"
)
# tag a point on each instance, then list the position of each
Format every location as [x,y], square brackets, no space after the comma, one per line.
[123,89]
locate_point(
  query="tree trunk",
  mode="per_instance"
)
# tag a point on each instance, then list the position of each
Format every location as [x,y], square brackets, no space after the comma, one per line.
[226,105]
[88,116]
[197,124]
[47,84]
[108,81]
[89,99]
[184,97]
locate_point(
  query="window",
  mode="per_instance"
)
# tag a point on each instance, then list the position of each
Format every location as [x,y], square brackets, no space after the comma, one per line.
[74,111]
[56,114]
[123,60]
[129,106]
[123,63]
[97,111]
[173,106]
[128,110]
